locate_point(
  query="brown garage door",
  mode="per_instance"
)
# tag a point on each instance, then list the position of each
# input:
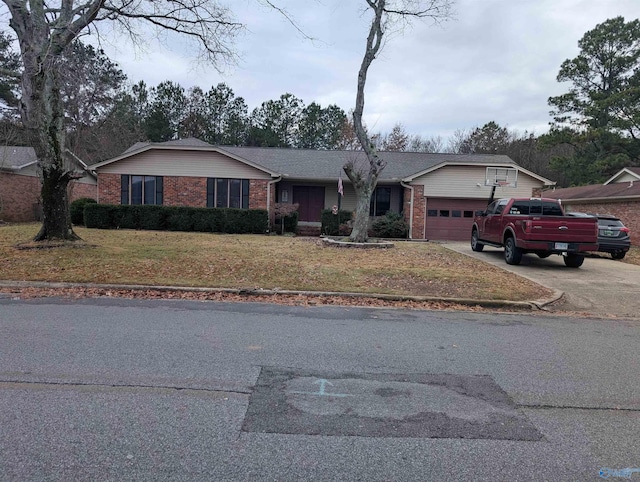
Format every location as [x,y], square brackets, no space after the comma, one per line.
[451,219]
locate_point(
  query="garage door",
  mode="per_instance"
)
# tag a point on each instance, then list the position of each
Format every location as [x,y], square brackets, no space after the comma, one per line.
[451,219]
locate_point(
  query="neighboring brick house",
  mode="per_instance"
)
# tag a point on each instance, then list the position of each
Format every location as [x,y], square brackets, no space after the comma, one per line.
[618,196]
[20,185]
[437,193]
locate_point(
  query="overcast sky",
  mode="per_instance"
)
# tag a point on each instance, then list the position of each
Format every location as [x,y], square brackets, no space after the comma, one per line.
[497,60]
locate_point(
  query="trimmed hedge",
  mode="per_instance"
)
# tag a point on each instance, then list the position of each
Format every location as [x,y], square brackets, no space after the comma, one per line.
[331,222]
[392,225]
[290,223]
[173,218]
[99,216]
[76,209]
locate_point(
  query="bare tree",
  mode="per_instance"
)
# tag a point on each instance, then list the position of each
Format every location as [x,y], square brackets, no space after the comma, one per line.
[387,14]
[433,144]
[456,141]
[396,140]
[45,28]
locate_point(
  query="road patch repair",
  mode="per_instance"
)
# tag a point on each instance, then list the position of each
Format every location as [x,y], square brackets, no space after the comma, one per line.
[289,401]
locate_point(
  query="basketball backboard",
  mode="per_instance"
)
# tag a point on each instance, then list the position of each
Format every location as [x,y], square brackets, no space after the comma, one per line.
[501,177]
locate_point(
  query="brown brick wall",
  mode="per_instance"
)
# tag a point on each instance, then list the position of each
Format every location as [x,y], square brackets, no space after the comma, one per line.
[258,194]
[419,210]
[109,188]
[80,189]
[20,196]
[183,191]
[628,212]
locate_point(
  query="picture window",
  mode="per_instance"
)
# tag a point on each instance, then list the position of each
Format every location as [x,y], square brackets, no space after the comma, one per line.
[227,193]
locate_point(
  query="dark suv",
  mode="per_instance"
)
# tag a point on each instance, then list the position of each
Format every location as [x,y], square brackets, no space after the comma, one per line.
[613,235]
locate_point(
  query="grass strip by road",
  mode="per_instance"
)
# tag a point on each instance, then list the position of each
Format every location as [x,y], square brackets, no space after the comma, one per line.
[257,262]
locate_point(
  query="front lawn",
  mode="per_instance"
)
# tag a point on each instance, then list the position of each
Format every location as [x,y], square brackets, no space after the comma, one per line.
[256,261]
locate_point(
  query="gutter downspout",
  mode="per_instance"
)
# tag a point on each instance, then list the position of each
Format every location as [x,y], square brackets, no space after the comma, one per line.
[410,188]
[269,195]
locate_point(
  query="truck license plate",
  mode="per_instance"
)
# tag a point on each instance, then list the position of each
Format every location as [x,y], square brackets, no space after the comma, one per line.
[562,246]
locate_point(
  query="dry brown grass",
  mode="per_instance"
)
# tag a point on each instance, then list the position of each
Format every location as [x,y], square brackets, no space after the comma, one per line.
[251,261]
[633,256]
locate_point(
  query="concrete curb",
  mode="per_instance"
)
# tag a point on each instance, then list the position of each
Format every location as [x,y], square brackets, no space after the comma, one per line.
[522,305]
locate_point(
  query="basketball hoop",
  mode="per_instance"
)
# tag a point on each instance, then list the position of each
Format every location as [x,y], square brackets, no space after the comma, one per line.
[501,177]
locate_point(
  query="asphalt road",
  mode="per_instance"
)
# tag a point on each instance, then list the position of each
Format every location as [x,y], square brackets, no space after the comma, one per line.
[142,390]
[601,286]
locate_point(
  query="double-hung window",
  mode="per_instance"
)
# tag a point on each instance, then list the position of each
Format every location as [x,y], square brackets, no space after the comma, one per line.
[141,189]
[227,193]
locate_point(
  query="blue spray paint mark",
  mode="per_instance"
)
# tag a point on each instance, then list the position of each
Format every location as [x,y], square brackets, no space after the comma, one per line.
[321,390]
[606,472]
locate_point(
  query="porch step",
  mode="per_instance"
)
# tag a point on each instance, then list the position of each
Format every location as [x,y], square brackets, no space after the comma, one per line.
[308,230]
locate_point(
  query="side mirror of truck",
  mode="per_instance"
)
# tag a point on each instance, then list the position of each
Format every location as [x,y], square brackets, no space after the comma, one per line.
[481,213]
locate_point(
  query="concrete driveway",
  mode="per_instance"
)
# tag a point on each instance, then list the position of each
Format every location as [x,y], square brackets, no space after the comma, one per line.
[601,287]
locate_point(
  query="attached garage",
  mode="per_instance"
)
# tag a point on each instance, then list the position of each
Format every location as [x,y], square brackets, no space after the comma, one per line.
[445,197]
[451,219]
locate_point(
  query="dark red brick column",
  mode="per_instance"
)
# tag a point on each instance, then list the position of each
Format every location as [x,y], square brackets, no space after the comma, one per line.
[109,188]
[419,210]
[258,194]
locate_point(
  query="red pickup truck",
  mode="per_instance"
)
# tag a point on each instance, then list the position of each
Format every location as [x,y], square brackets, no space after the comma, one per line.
[534,225]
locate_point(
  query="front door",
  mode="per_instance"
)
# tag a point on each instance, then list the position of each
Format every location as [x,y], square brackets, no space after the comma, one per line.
[311,202]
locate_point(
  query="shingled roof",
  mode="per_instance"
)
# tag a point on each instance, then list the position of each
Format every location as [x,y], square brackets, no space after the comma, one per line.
[618,190]
[325,165]
[16,157]
[315,164]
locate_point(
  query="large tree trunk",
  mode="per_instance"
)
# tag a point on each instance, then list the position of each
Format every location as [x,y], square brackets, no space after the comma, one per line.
[360,231]
[49,144]
[56,220]
[42,113]
[364,179]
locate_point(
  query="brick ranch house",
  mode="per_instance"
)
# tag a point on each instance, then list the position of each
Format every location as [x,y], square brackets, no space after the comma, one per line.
[437,193]
[20,184]
[618,196]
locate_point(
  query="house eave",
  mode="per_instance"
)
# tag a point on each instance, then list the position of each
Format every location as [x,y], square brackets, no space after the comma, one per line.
[408,179]
[620,173]
[17,168]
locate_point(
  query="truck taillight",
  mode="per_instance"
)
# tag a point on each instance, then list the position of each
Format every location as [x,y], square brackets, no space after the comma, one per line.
[527,226]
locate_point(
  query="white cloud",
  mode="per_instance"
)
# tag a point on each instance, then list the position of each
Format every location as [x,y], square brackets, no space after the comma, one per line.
[497,61]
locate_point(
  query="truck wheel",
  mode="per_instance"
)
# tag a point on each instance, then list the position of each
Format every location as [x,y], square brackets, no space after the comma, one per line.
[512,254]
[475,245]
[573,260]
[618,254]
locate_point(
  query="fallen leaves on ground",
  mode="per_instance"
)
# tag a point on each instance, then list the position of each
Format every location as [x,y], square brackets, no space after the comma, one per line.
[278,298]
